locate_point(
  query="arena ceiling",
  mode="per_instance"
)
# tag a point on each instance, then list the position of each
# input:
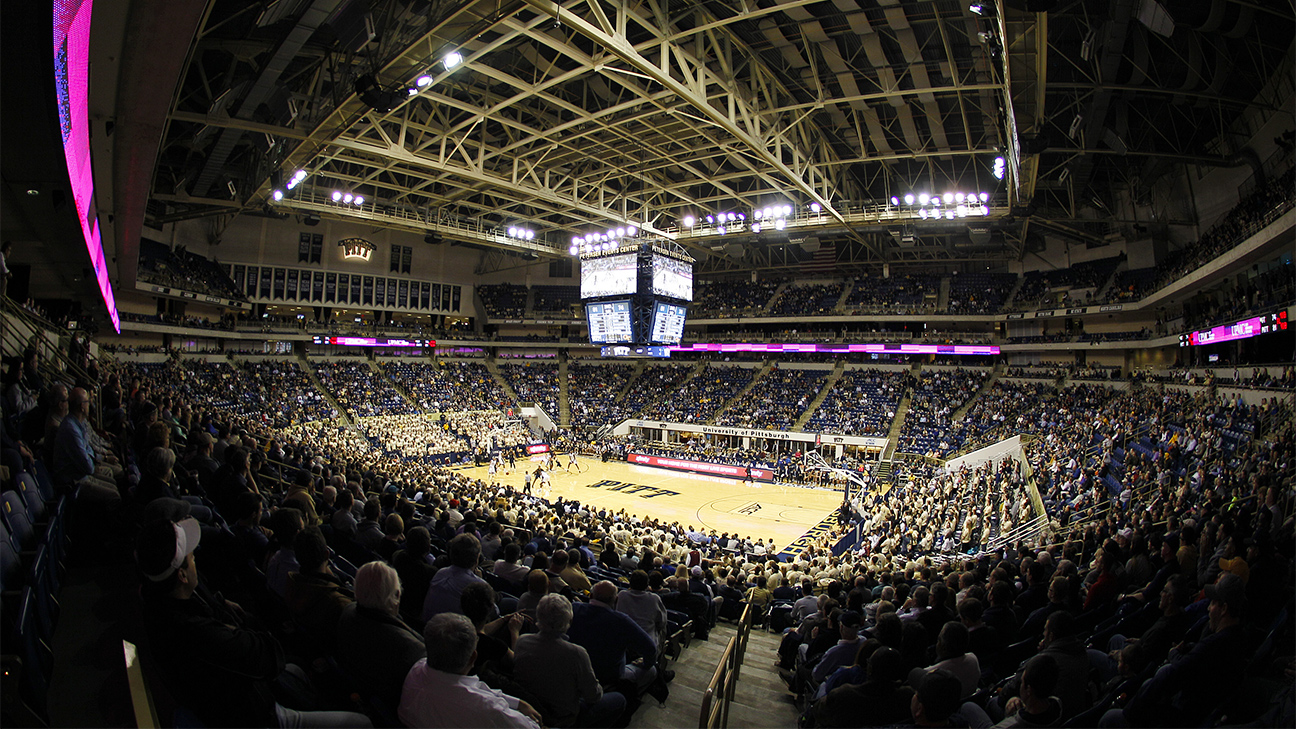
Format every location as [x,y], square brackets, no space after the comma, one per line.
[573,117]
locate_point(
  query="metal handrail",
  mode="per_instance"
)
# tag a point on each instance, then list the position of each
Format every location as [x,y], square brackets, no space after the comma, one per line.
[724,681]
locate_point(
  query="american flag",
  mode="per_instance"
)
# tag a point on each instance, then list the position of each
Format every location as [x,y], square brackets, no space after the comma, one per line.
[824,259]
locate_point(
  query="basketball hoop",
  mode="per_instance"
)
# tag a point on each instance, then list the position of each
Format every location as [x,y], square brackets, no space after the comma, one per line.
[815,462]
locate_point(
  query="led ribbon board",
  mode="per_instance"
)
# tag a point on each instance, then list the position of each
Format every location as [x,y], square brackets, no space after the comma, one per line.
[1245,329]
[955,349]
[71,86]
[372,342]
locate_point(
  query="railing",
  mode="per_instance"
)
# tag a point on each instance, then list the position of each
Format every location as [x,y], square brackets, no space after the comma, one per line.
[720,692]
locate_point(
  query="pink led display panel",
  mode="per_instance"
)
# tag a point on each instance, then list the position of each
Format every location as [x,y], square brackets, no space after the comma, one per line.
[958,349]
[71,83]
[1245,329]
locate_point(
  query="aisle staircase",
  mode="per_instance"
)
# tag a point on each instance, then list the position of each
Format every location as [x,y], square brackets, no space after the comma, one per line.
[943,295]
[343,415]
[405,393]
[697,369]
[777,293]
[493,368]
[893,435]
[761,699]
[847,288]
[884,477]
[564,395]
[742,394]
[962,412]
[838,370]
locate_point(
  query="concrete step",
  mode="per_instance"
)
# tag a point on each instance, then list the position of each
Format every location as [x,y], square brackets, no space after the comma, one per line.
[760,697]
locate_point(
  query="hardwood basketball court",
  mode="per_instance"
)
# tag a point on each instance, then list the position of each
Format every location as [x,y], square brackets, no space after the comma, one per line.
[759,510]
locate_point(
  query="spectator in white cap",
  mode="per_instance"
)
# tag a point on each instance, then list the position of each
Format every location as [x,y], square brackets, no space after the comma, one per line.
[214,661]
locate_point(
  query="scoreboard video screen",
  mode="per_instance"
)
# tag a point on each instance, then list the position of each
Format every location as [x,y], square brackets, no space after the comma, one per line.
[668,323]
[610,322]
[608,276]
[672,278]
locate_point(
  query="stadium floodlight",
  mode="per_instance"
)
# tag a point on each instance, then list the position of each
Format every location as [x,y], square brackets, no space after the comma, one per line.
[922,213]
[895,200]
[780,224]
[347,198]
[452,59]
[909,198]
[999,168]
[710,219]
[621,232]
[756,227]
[979,9]
[573,250]
[985,196]
[689,220]
[337,195]
[632,230]
[949,214]
[530,235]
[742,216]
[422,81]
[923,198]
[958,197]
[948,197]
[277,195]
[358,200]
[814,207]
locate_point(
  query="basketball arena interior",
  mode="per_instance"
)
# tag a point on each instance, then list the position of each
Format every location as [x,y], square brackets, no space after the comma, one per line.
[775,363]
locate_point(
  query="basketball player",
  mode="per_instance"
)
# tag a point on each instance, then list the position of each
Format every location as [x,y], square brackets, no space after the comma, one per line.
[571,462]
[526,482]
[544,484]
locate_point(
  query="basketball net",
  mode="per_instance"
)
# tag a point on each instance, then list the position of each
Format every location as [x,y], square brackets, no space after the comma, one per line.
[814,461]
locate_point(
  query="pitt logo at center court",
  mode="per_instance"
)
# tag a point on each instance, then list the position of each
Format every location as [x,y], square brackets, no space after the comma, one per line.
[644,492]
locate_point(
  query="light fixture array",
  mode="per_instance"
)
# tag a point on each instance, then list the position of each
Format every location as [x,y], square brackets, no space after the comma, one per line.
[765,218]
[347,198]
[608,240]
[949,205]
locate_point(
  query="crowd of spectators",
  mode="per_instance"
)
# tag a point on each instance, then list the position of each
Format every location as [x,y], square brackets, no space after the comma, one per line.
[503,301]
[700,398]
[776,401]
[448,386]
[728,299]
[415,437]
[534,382]
[1251,214]
[361,389]
[1198,524]
[593,394]
[980,292]
[1132,285]
[929,427]
[180,269]
[807,299]
[863,402]
[653,385]
[555,299]
[911,293]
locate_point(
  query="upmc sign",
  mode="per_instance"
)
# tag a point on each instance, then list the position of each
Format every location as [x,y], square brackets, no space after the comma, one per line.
[718,469]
